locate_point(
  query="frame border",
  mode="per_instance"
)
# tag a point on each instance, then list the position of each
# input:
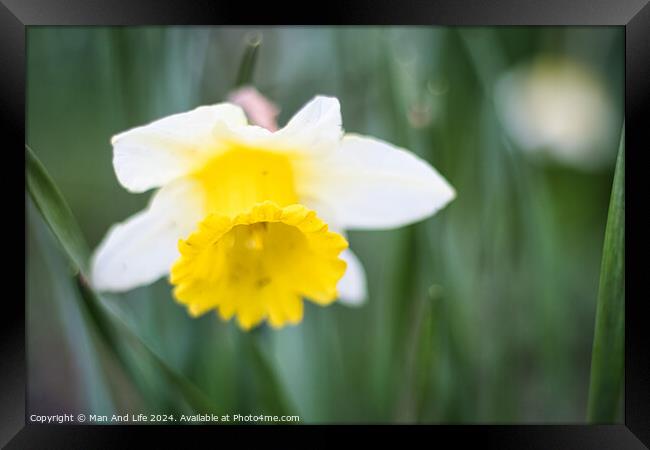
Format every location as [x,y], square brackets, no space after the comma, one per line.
[634,15]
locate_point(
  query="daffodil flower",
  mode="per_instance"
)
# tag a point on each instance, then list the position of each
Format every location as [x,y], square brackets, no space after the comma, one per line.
[249,221]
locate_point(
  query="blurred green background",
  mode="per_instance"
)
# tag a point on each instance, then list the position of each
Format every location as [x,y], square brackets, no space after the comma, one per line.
[483,313]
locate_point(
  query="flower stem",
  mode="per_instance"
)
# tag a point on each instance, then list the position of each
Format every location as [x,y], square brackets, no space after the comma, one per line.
[249,58]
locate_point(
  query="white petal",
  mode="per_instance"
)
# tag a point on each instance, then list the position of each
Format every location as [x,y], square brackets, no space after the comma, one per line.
[315,128]
[352,287]
[369,183]
[142,249]
[152,155]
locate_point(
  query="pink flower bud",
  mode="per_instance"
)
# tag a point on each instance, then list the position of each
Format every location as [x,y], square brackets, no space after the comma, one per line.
[260,110]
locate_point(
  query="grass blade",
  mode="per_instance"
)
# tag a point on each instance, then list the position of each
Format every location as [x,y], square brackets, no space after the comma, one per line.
[49,201]
[119,337]
[116,335]
[269,387]
[607,355]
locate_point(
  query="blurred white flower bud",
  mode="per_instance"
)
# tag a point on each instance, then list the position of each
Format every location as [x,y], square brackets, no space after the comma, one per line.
[558,108]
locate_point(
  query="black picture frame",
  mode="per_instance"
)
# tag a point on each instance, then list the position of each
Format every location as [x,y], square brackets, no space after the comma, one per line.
[633,15]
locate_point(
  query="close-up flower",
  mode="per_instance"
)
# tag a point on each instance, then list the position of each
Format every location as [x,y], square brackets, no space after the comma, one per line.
[250,221]
[325,225]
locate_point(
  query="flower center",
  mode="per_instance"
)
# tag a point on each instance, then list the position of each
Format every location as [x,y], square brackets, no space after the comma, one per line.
[236,180]
[259,264]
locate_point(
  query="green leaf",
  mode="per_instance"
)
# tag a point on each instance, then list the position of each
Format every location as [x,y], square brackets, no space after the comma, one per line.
[607,359]
[129,348]
[118,338]
[55,211]
[247,64]
[269,388]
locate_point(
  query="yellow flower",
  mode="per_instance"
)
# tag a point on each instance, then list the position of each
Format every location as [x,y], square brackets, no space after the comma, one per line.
[259,264]
[260,215]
